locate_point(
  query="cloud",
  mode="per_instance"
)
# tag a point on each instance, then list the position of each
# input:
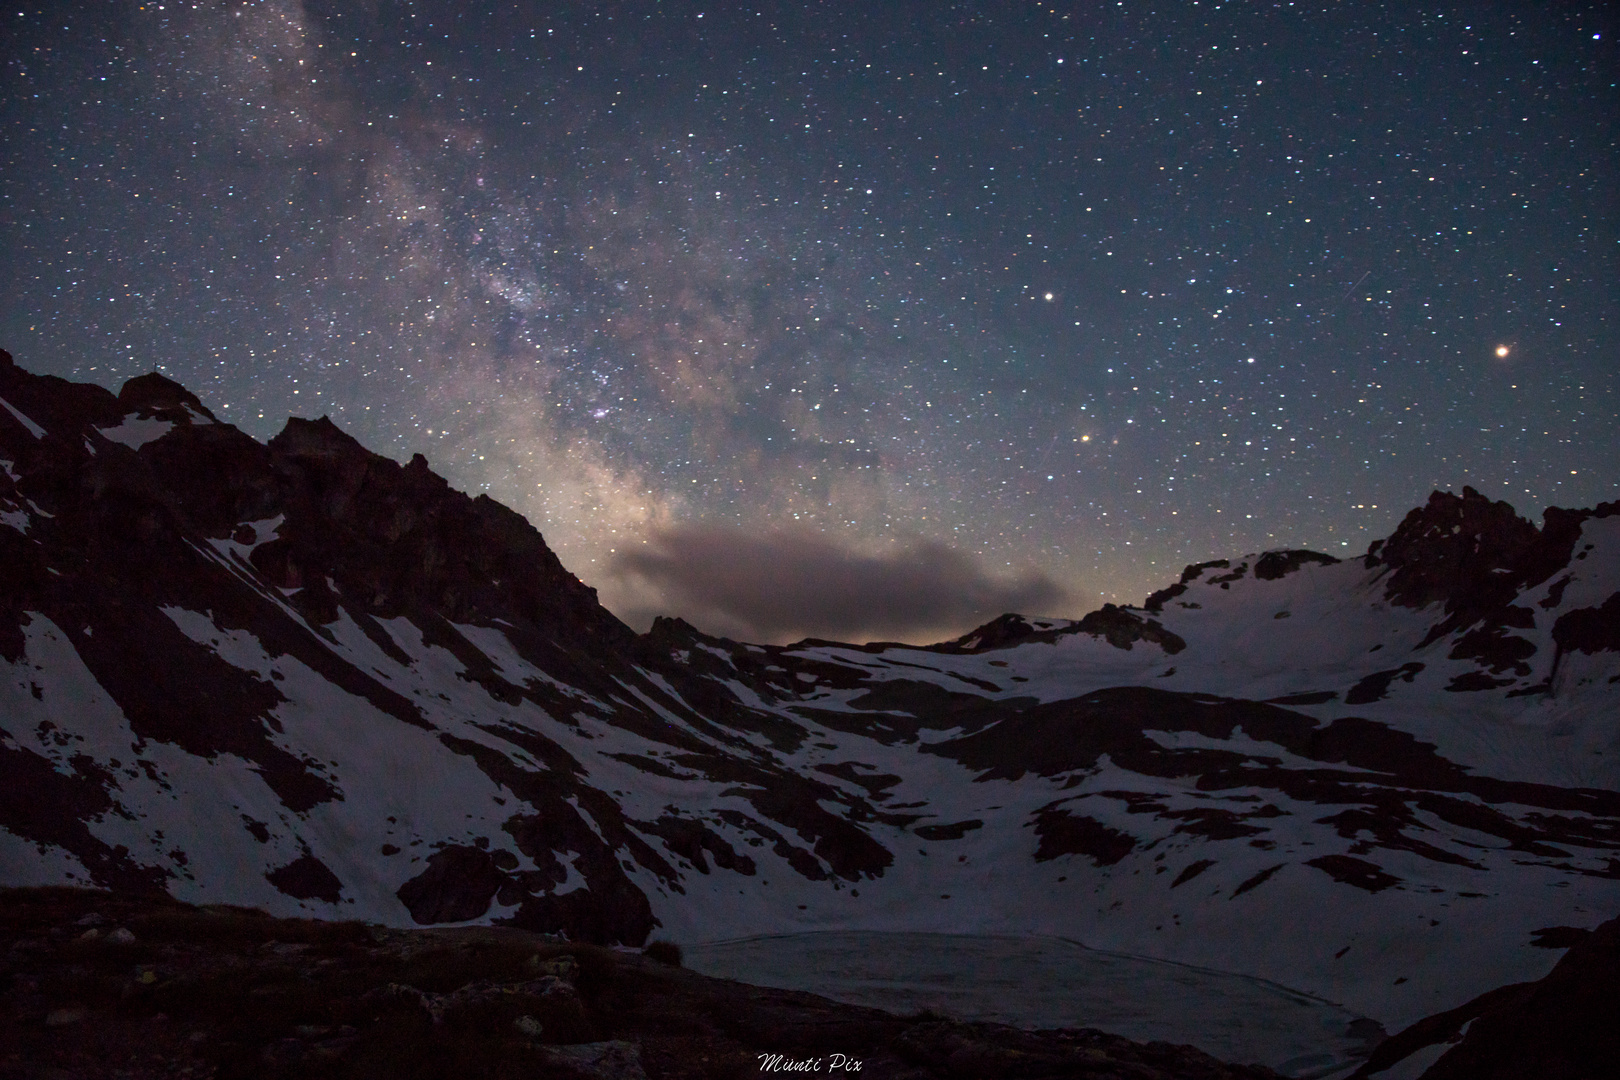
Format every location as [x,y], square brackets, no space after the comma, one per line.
[781,586]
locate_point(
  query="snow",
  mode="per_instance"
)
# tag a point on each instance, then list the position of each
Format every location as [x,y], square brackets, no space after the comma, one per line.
[1047,982]
[974,926]
[264,531]
[31,863]
[33,429]
[1414,1065]
[136,433]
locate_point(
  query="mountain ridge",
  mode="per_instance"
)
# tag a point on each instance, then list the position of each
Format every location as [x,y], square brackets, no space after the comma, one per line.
[301,676]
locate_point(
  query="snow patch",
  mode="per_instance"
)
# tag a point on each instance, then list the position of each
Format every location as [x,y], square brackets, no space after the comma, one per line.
[32,863]
[135,433]
[33,429]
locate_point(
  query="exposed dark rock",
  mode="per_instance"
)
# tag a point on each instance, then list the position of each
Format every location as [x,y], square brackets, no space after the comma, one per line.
[903,708]
[1065,833]
[665,952]
[307,878]
[1191,871]
[954,831]
[1474,556]
[1401,776]
[1439,1028]
[1314,697]
[1256,881]
[1558,937]
[1121,627]
[1374,687]
[1213,823]
[1589,630]
[155,395]
[1470,681]
[398,537]
[1494,647]
[998,633]
[1278,564]
[1555,592]
[1348,871]
[40,803]
[1561,1027]
[459,884]
[690,839]
[861,775]
[1156,600]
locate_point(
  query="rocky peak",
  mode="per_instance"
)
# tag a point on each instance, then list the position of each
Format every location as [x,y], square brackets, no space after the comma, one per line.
[998,633]
[154,465]
[397,538]
[1473,554]
[48,402]
[1279,564]
[1460,551]
[1476,557]
[153,395]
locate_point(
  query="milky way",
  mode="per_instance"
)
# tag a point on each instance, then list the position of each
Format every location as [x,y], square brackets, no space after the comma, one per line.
[1035,303]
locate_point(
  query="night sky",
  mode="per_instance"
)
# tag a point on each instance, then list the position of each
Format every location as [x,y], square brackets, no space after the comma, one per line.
[861,320]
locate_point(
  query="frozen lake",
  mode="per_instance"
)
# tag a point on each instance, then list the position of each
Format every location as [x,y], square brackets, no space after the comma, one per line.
[1045,982]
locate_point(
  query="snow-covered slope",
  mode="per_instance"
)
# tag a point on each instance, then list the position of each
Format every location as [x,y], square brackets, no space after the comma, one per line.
[303,677]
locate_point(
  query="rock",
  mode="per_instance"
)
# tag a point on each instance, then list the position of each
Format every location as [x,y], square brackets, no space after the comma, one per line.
[459,884]
[998,633]
[284,1052]
[1560,1026]
[1279,564]
[1475,556]
[612,1060]
[1119,627]
[1589,630]
[563,967]
[121,936]
[307,878]
[277,1015]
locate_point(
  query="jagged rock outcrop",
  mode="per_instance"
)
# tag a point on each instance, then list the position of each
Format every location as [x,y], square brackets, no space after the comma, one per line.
[1476,557]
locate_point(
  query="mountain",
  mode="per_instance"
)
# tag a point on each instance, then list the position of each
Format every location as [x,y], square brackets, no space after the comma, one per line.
[303,677]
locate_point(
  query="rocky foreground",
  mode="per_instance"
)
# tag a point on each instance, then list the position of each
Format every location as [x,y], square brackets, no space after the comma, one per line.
[94,985]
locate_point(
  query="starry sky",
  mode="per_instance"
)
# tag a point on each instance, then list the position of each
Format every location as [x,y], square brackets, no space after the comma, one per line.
[857,320]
